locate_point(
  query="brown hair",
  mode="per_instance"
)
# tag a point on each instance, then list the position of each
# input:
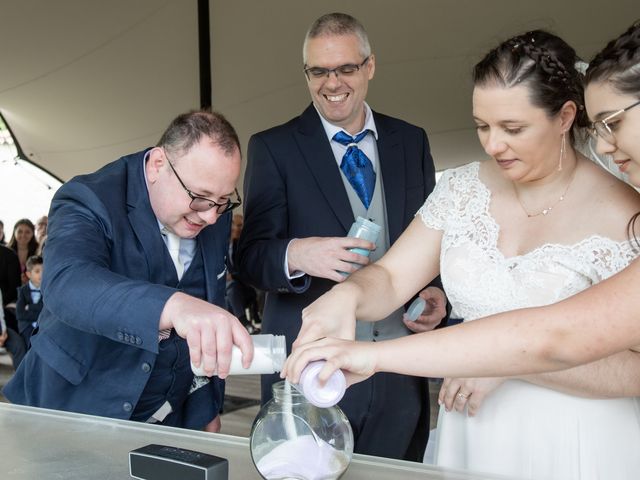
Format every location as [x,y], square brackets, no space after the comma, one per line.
[544,63]
[618,63]
[32,248]
[188,129]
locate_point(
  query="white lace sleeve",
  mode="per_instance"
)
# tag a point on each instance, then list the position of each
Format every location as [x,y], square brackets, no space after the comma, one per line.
[434,210]
[457,193]
[610,257]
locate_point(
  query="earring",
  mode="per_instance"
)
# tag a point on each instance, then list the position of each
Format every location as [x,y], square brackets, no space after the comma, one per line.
[562,149]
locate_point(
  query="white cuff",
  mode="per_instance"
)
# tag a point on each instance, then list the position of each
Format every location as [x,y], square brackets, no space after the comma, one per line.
[297,273]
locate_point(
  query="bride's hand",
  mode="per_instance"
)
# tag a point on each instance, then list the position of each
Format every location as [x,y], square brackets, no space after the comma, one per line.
[357,360]
[331,315]
[458,393]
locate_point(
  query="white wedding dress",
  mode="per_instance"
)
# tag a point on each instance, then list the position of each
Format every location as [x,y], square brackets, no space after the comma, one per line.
[523,430]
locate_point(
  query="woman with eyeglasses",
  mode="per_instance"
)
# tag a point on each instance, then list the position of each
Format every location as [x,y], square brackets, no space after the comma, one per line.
[564,425]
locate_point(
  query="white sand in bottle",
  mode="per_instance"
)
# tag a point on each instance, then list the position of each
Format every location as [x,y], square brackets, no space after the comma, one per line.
[305,458]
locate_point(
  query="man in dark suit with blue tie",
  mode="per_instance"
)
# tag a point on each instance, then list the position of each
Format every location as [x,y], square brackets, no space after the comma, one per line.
[306,182]
[134,284]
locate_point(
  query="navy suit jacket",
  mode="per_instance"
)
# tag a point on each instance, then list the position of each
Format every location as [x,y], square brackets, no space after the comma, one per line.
[103,295]
[293,189]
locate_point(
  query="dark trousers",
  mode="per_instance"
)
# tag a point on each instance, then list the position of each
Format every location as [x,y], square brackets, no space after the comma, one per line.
[389,414]
[15,346]
[10,318]
[26,336]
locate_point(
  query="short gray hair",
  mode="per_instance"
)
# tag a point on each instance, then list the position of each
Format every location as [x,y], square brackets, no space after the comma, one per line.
[335,24]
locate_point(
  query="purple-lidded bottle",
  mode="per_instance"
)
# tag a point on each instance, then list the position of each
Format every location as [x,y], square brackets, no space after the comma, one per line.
[321,396]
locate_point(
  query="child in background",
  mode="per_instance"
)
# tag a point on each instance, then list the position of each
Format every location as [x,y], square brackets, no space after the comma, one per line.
[29,304]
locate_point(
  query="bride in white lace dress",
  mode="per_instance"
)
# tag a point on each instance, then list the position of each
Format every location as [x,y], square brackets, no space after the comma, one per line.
[504,247]
[536,224]
[524,429]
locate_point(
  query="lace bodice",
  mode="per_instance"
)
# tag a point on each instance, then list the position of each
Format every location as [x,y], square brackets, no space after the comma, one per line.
[480,280]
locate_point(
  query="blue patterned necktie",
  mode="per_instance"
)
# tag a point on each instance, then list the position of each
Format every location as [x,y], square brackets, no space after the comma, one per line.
[357,167]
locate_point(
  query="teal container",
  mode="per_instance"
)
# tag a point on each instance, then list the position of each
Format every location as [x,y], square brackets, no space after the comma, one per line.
[367,230]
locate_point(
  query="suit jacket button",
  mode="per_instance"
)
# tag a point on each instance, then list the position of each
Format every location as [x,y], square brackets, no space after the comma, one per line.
[146,368]
[376,333]
[127,407]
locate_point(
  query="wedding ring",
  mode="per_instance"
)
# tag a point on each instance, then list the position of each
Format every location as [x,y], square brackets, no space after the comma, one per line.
[462,395]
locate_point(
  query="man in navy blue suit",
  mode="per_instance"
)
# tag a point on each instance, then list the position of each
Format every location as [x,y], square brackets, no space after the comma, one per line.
[134,284]
[301,202]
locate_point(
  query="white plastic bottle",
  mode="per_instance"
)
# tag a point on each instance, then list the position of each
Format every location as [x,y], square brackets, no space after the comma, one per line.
[415,309]
[269,354]
[321,396]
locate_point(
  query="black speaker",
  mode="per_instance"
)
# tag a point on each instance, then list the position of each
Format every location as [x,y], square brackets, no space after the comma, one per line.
[161,462]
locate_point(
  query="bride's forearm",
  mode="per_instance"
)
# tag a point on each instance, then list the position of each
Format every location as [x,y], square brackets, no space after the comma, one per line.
[374,291]
[387,284]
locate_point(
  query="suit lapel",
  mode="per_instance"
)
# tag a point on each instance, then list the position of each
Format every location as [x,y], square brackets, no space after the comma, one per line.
[316,151]
[141,217]
[393,166]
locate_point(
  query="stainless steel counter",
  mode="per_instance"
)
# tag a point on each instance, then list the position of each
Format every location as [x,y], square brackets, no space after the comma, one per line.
[47,444]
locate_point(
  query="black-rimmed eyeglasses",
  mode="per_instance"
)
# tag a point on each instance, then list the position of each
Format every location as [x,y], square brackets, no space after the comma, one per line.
[203,204]
[605,128]
[318,73]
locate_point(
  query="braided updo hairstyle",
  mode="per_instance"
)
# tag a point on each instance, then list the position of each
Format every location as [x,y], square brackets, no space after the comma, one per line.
[542,62]
[619,63]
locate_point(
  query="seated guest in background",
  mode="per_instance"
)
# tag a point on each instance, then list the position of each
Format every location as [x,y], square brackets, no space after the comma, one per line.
[134,283]
[2,238]
[29,304]
[41,232]
[23,242]
[533,226]
[9,284]
[11,341]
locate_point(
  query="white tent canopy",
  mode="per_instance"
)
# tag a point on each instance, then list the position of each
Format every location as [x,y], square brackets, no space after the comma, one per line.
[84,82]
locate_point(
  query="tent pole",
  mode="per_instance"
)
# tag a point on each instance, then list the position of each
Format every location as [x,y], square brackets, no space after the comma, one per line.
[204,47]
